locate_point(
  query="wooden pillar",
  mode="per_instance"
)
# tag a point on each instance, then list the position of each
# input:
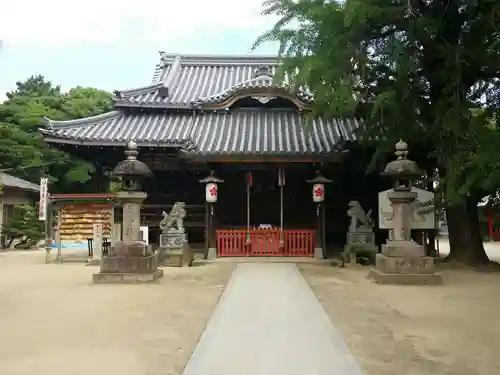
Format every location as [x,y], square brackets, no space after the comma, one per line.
[207,230]
[281,184]
[212,242]
[48,233]
[112,222]
[323,228]
[490,222]
[318,247]
[59,257]
[211,194]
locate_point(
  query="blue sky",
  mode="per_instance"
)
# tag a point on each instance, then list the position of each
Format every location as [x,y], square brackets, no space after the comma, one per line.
[114,44]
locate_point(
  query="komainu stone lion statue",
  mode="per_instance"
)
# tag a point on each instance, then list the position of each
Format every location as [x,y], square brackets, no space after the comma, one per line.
[175,216]
[359,219]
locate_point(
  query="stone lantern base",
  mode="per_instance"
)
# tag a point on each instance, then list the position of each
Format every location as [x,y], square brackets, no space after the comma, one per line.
[128,264]
[404,262]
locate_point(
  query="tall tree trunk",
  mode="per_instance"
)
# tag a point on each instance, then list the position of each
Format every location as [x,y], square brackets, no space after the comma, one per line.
[466,244]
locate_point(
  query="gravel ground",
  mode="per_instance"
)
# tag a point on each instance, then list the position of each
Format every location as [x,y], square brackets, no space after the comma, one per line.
[450,329]
[492,249]
[54,321]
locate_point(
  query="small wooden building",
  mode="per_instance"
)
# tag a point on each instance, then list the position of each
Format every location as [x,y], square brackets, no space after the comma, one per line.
[15,192]
[226,115]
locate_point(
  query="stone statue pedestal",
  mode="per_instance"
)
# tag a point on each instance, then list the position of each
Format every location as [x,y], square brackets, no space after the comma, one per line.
[362,239]
[128,264]
[361,236]
[174,248]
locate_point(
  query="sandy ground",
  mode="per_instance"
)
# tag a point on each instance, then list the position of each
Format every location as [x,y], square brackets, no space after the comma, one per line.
[491,248]
[452,329]
[54,321]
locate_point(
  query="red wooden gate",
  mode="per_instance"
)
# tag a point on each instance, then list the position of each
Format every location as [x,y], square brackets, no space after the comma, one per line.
[265,243]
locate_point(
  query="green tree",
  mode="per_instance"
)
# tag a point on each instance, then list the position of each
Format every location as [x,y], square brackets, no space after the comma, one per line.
[22,149]
[24,226]
[412,69]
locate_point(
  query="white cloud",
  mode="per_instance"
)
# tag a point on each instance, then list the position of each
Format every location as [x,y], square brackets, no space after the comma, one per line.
[59,23]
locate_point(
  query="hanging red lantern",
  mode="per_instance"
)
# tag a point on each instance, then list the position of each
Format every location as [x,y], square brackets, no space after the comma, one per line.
[318,188]
[318,193]
[211,191]
[211,187]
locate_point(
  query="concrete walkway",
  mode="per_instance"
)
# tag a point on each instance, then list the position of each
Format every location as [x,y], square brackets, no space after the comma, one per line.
[269,322]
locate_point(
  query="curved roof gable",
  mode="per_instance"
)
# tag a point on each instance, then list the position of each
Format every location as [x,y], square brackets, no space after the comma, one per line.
[182,81]
[262,84]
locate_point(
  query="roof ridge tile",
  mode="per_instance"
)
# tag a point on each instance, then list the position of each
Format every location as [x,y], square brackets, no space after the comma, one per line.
[123,94]
[214,59]
[58,124]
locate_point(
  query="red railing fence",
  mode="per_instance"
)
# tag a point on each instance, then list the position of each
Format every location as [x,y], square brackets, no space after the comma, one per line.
[265,242]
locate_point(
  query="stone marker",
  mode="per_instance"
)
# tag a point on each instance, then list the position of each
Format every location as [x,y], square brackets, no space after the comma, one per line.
[97,238]
[130,260]
[402,260]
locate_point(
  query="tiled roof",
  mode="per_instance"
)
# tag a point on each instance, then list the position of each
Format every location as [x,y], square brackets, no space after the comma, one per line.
[254,131]
[267,132]
[116,127]
[184,88]
[180,81]
[17,183]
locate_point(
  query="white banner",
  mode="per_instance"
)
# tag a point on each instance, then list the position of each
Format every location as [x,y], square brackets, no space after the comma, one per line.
[97,241]
[423,210]
[44,192]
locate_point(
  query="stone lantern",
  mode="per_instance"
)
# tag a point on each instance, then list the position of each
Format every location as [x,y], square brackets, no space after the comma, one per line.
[211,196]
[402,260]
[402,172]
[130,260]
[318,197]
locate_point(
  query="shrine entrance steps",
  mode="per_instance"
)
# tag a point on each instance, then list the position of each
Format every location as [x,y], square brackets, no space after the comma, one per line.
[265,243]
[269,322]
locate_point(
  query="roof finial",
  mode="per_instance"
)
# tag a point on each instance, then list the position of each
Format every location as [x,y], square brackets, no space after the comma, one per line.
[131,151]
[401,150]
[262,71]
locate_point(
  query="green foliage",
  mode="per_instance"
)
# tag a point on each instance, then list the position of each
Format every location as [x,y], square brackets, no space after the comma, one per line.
[115,186]
[36,87]
[23,152]
[427,72]
[23,225]
[82,102]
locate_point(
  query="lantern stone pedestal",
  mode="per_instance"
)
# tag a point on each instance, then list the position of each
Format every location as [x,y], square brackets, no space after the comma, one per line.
[175,250]
[403,261]
[130,260]
[128,264]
